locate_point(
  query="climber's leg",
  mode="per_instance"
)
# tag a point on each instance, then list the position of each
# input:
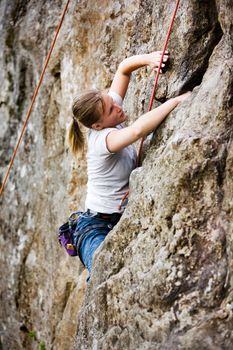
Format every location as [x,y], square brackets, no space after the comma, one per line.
[96,229]
[89,245]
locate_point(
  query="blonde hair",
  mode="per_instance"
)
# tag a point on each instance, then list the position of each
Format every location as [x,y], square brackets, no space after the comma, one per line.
[87,109]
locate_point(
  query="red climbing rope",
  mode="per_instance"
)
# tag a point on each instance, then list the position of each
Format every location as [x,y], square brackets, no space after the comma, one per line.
[154,88]
[34,96]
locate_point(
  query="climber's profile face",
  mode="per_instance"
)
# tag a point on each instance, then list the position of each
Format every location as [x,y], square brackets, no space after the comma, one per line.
[112,115]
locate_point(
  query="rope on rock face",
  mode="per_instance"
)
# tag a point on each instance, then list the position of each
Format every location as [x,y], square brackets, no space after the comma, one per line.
[154,89]
[34,96]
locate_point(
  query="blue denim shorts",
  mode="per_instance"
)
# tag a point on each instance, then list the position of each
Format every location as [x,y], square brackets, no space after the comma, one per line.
[93,237]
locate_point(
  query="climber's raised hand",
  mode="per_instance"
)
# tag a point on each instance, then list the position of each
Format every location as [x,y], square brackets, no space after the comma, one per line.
[130,64]
[153,59]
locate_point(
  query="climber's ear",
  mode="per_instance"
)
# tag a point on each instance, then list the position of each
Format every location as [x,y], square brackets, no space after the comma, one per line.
[97,126]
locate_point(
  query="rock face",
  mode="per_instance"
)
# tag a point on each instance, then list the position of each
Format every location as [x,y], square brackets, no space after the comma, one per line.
[163,279]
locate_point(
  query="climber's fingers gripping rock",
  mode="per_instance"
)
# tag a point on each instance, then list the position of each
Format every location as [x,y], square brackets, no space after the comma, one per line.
[154,59]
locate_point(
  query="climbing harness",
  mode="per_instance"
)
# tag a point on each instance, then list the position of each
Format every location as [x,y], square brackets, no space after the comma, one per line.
[34,96]
[153,91]
[66,232]
[71,237]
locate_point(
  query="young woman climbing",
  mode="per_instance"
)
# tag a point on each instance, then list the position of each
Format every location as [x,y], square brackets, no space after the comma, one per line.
[111,156]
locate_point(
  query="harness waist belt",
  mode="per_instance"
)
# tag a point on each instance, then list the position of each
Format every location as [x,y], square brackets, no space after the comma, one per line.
[102,215]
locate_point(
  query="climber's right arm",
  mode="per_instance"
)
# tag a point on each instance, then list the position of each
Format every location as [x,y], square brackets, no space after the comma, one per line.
[118,139]
[127,66]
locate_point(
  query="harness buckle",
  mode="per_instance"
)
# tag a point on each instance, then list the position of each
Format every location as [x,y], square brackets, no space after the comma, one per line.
[70,246]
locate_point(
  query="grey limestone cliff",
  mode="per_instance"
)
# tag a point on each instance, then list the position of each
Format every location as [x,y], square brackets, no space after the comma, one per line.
[163,279]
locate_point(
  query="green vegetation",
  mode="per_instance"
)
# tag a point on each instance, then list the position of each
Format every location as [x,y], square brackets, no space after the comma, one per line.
[42,346]
[32,334]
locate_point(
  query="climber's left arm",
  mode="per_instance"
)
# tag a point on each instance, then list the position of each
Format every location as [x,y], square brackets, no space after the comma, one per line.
[127,66]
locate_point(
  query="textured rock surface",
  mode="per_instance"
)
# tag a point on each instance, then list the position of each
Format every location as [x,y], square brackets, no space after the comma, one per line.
[164,277]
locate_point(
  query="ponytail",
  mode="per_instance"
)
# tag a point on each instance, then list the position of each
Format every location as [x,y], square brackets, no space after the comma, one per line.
[87,109]
[75,138]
